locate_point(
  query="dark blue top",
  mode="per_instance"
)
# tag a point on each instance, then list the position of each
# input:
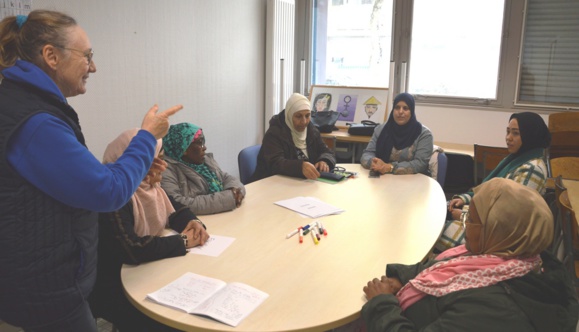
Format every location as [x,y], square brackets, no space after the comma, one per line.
[46,152]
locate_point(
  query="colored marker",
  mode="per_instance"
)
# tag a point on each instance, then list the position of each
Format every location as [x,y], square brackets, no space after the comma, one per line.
[301,235]
[323,229]
[292,233]
[306,227]
[314,238]
[317,233]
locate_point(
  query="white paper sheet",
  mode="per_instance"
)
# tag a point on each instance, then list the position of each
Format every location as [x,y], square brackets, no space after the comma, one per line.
[214,246]
[309,206]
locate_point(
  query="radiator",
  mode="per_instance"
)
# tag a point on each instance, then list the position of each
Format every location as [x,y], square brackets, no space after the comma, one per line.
[279,57]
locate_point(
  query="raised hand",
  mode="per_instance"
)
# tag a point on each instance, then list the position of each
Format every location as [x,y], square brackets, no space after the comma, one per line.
[158,123]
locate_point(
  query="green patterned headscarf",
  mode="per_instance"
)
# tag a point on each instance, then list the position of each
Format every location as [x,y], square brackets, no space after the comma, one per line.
[176,142]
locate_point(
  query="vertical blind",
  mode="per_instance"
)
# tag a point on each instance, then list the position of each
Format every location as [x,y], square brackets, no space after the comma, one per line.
[550,55]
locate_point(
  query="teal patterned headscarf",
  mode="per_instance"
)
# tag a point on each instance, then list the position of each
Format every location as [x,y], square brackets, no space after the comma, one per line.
[176,142]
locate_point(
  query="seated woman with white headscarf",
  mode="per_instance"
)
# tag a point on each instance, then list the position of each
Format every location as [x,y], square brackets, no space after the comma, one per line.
[292,145]
[500,280]
[133,235]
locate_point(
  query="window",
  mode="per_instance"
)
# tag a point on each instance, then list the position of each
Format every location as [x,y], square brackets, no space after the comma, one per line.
[491,53]
[550,65]
[454,54]
[352,43]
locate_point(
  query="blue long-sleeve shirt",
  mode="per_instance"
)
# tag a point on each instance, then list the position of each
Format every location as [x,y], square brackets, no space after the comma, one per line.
[46,152]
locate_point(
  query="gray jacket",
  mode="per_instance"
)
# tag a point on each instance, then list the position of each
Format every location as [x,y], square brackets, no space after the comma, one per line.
[190,188]
[411,160]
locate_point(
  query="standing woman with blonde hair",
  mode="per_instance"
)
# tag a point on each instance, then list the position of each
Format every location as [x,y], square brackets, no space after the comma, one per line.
[51,186]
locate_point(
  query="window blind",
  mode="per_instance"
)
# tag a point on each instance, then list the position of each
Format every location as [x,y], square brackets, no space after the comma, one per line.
[550,55]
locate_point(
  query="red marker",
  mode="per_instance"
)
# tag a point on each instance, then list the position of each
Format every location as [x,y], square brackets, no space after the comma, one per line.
[323,229]
[301,235]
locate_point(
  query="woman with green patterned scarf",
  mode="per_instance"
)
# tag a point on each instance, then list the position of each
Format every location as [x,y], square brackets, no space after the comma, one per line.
[193,177]
[527,136]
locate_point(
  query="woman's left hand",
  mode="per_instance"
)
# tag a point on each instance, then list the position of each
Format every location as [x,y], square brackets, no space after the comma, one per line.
[154,174]
[322,166]
[380,166]
[384,285]
[456,214]
[196,234]
[238,196]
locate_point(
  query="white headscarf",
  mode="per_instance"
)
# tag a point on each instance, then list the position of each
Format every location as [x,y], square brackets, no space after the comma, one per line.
[151,206]
[296,103]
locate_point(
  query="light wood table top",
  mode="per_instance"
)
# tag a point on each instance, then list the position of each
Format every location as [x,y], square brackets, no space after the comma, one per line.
[392,219]
[343,136]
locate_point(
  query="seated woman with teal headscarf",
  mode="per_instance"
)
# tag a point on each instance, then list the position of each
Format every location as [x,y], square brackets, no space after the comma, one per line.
[527,138]
[193,177]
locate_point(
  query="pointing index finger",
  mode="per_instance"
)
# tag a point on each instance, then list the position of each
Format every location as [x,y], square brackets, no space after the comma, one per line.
[171,111]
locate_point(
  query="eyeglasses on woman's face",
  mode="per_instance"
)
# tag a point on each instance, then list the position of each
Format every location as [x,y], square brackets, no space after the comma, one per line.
[87,54]
[199,142]
[465,220]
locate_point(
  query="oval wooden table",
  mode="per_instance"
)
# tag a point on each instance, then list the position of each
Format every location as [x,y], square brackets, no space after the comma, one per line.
[391,219]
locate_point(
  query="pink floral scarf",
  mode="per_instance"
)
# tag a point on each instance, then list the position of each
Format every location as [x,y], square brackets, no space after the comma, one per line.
[463,271]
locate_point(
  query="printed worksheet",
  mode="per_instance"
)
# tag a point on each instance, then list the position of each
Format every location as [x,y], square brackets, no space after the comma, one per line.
[200,295]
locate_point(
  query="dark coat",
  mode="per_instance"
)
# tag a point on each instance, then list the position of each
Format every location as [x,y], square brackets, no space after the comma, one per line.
[535,302]
[278,154]
[118,245]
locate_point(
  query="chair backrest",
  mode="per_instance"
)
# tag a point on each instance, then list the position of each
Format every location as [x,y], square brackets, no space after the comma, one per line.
[553,199]
[247,162]
[564,144]
[486,158]
[442,166]
[330,143]
[563,121]
[567,167]
[568,223]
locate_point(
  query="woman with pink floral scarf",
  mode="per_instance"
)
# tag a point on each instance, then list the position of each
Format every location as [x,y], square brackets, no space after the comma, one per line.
[499,280]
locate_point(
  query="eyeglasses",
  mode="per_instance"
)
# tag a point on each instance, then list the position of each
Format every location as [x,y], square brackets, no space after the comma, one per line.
[465,220]
[88,54]
[199,142]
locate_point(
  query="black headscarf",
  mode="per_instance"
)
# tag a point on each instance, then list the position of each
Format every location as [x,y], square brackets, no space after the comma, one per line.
[534,131]
[397,136]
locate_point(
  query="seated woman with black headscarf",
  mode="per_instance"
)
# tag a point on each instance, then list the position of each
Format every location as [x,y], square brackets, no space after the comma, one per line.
[292,145]
[527,138]
[501,280]
[402,145]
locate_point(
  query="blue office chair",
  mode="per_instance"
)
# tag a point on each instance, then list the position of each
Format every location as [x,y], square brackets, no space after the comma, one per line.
[247,162]
[442,165]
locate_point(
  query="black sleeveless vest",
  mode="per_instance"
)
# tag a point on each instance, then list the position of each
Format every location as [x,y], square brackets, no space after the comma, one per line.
[47,249]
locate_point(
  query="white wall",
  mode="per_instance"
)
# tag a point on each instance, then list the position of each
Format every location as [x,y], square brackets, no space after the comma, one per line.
[209,56]
[467,125]
[206,55]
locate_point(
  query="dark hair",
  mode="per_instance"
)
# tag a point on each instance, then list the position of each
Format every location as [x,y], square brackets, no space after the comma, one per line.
[320,96]
[534,131]
[26,40]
